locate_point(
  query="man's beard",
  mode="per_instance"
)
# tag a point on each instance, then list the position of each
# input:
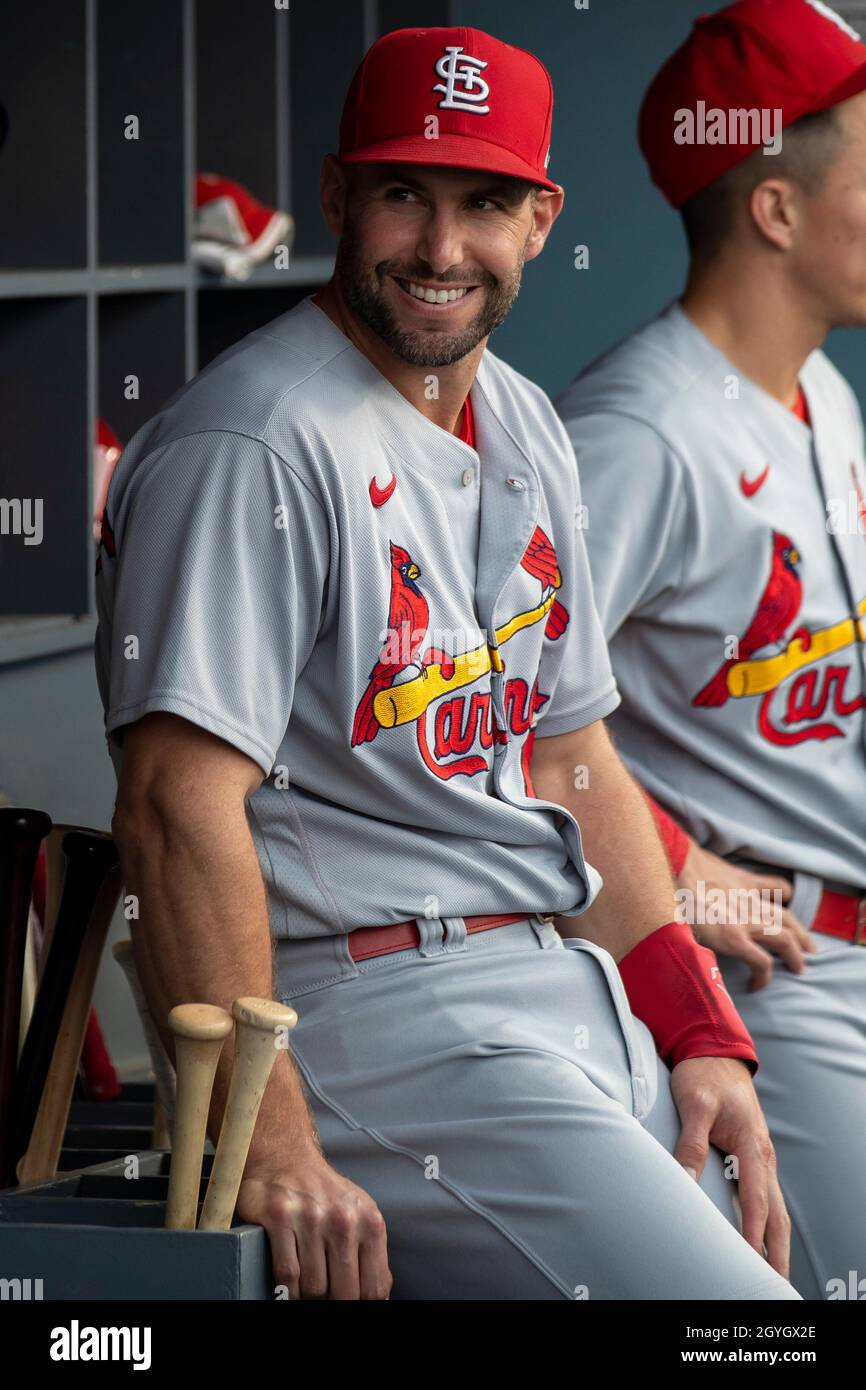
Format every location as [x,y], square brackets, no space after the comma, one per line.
[360,286]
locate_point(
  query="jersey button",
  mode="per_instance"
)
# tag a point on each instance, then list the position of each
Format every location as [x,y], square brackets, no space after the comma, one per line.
[517,484]
[467,476]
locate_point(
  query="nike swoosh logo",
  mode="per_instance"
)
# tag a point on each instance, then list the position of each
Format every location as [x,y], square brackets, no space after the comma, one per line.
[716,978]
[379,495]
[749,486]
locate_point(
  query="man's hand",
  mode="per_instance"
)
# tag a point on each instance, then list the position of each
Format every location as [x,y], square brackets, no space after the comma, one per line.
[781,933]
[327,1236]
[718,1105]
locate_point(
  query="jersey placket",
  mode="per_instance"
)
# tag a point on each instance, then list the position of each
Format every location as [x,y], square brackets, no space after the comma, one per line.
[510,497]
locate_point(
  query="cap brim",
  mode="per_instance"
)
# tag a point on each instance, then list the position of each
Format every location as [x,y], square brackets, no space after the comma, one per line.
[449,151]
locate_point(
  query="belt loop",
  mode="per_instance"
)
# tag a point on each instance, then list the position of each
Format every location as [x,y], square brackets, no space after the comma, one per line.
[430,930]
[544,929]
[455,934]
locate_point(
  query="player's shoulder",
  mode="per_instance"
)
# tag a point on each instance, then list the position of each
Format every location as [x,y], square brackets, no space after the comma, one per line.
[629,411]
[241,390]
[257,400]
[651,377]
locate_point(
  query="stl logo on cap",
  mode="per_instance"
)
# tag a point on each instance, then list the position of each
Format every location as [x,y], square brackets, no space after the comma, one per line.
[466,71]
[416,93]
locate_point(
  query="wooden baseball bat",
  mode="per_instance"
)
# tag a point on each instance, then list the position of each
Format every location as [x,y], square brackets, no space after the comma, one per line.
[160,1134]
[199,1033]
[46,1139]
[261,1024]
[90,855]
[55,873]
[163,1070]
[21,832]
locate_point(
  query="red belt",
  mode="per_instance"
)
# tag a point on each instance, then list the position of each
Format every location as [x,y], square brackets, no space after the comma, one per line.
[842,914]
[365,942]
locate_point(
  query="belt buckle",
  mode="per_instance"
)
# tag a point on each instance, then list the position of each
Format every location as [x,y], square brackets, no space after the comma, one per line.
[860,923]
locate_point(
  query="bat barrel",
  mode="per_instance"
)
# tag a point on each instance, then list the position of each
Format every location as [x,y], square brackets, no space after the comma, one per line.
[199,1033]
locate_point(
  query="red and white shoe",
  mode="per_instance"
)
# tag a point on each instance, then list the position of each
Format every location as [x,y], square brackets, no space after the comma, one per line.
[233,231]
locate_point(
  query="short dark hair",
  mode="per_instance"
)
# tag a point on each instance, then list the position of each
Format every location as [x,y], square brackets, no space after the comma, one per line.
[808,148]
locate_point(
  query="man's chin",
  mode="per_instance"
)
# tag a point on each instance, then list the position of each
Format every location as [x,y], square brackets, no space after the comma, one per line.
[431,347]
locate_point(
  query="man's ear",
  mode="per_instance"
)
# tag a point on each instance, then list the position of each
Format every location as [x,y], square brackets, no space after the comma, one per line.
[773,208]
[548,206]
[333,193]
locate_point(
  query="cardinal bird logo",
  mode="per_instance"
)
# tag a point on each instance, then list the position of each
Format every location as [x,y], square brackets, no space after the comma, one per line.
[408,617]
[779,606]
[539,560]
[411,678]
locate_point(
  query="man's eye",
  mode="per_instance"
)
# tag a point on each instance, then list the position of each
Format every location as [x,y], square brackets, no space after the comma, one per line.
[491,202]
[400,193]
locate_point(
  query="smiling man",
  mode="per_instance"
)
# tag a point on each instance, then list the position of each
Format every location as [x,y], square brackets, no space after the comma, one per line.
[354,683]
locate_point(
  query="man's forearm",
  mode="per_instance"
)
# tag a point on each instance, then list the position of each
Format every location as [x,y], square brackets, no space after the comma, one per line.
[203,936]
[619,838]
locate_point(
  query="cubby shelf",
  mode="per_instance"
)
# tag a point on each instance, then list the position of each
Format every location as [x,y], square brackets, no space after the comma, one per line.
[97,280]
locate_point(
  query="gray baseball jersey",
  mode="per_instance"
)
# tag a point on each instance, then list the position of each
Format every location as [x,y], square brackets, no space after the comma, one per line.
[727,540]
[300,562]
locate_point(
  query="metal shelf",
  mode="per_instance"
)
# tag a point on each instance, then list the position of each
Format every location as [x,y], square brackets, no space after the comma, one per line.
[130,279]
[25,639]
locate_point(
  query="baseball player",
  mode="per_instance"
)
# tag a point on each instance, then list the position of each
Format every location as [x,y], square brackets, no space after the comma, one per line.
[722,468]
[354,686]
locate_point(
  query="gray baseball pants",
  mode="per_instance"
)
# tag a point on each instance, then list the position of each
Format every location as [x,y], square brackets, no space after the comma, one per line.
[495,1096]
[810,1034]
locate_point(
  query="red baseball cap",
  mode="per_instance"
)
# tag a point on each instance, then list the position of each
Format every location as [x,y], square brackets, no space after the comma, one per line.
[793,56]
[450,96]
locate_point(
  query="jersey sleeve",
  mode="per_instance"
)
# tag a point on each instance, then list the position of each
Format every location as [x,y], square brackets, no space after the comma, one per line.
[636,515]
[575,668]
[222,556]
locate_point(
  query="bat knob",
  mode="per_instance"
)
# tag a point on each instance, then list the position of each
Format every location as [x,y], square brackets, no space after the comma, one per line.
[203,1022]
[264,1014]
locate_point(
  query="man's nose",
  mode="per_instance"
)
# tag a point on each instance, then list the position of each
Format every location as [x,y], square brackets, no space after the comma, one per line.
[441,242]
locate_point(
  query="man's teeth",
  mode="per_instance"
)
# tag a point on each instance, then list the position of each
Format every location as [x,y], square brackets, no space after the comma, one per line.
[433,296]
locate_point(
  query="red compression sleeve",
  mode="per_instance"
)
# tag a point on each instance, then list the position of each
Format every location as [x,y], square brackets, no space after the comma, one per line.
[675,840]
[676,988]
